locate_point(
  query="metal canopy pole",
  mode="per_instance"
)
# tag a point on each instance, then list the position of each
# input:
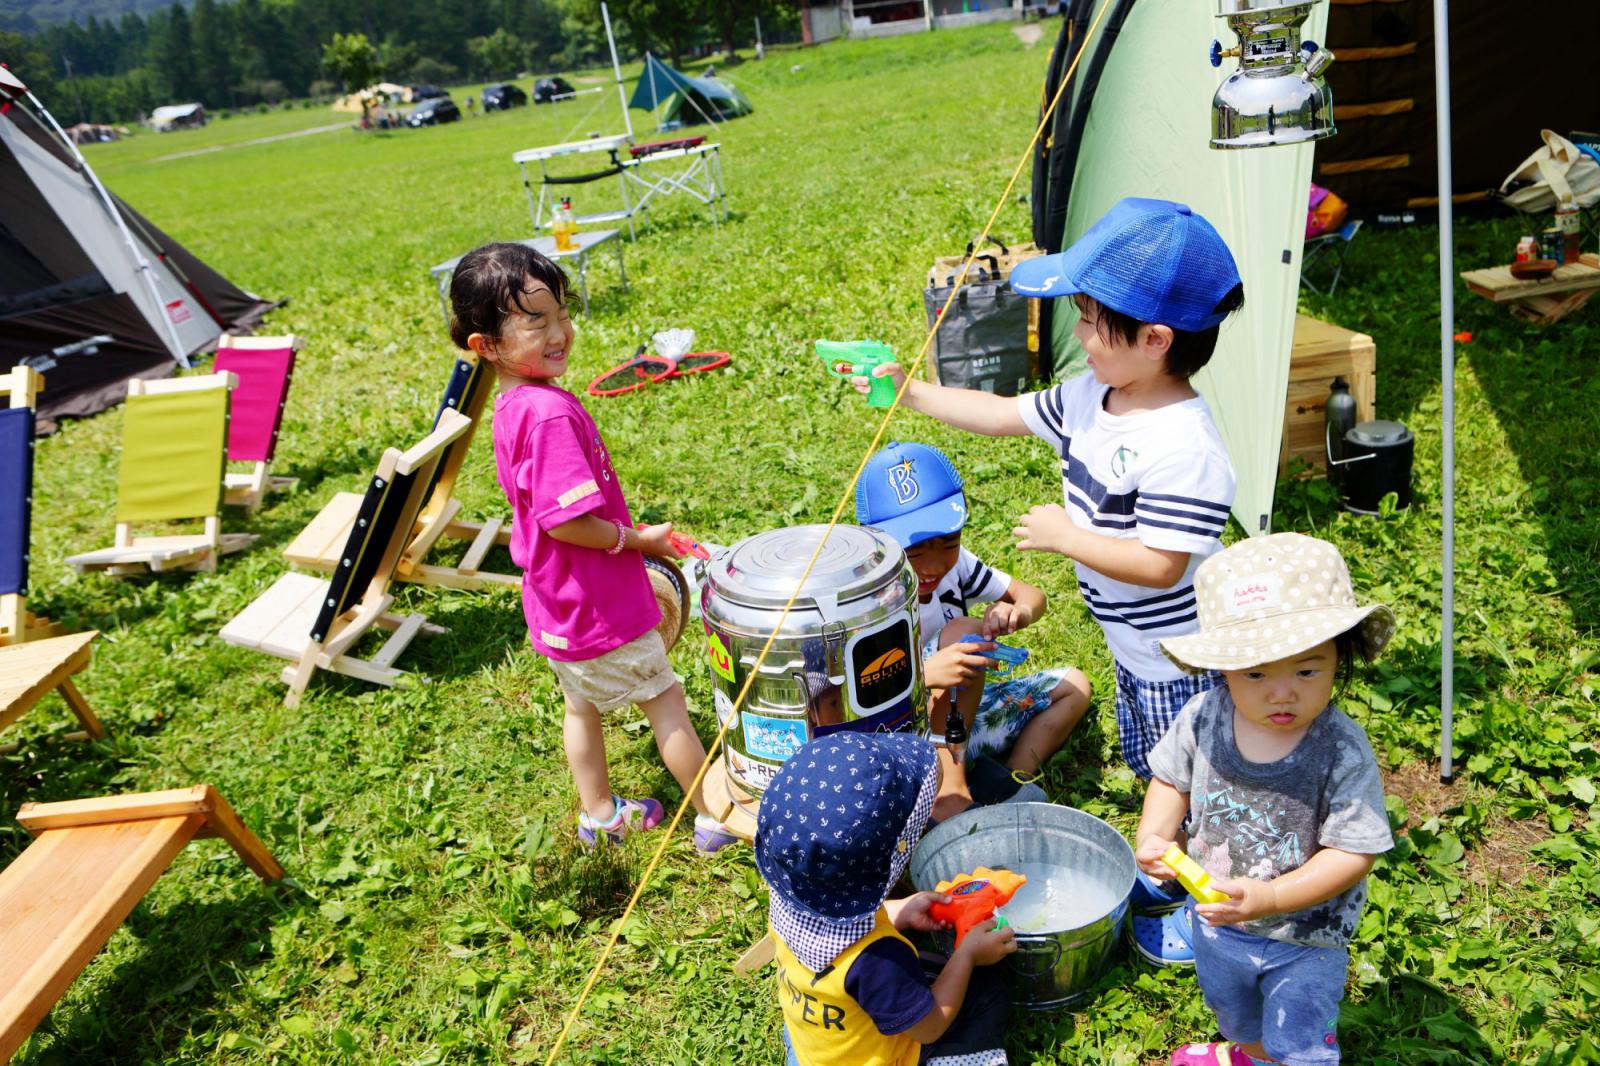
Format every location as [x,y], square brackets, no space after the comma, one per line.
[1447,347]
[616,68]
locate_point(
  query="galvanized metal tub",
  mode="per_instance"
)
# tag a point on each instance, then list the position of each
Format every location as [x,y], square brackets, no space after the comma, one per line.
[1051,967]
[846,657]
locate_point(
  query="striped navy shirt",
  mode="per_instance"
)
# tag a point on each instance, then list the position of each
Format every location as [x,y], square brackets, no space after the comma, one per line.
[1162,476]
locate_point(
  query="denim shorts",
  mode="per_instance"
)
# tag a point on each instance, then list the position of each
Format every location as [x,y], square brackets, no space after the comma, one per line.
[1285,995]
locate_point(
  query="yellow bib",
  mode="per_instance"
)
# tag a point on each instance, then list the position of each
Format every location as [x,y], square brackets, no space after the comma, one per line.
[826,1025]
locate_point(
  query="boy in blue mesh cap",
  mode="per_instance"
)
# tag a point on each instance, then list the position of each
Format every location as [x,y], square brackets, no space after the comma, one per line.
[834,834]
[914,493]
[1145,477]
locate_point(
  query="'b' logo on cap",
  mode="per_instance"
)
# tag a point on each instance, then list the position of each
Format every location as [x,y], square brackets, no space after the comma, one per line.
[904,485]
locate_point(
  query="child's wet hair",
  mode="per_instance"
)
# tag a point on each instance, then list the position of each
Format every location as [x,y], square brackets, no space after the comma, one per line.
[1190,349]
[1348,646]
[490,282]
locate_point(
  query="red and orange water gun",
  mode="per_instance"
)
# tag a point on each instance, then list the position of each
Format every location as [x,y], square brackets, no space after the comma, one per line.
[974,897]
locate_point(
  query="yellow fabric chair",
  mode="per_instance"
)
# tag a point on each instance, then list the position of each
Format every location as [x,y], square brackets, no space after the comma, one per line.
[174,440]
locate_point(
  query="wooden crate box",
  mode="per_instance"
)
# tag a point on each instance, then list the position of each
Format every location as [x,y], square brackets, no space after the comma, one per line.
[1322,352]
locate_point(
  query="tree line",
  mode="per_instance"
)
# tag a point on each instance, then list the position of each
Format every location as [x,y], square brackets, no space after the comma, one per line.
[251,52]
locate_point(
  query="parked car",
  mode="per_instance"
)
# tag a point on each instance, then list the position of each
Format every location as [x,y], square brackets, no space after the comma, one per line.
[426,92]
[503,97]
[547,89]
[432,112]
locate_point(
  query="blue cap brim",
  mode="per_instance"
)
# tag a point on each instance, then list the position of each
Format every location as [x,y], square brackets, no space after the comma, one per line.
[939,519]
[1045,275]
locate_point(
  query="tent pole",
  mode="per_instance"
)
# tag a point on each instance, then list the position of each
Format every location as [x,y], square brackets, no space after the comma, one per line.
[616,68]
[142,264]
[1447,347]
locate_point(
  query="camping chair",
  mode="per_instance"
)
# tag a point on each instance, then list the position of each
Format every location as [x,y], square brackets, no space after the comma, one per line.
[338,612]
[89,864]
[174,437]
[1330,249]
[21,385]
[36,657]
[318,545]
[263,366]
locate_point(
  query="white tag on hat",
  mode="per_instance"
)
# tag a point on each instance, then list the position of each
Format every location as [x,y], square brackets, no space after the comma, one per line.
[1245,595]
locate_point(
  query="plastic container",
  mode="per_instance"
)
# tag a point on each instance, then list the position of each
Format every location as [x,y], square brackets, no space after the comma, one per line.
[564,227]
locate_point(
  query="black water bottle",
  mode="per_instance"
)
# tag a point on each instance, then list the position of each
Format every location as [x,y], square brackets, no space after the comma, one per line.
[1339,415]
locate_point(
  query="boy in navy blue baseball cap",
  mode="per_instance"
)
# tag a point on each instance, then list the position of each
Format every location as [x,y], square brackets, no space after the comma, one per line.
[913,493]
[1145,477]
[834,834]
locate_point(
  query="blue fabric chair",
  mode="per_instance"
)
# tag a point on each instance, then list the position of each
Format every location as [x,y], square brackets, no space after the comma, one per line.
[1324,258]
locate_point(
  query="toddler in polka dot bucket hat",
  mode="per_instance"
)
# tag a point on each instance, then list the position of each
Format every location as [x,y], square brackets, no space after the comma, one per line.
[1270,597]
[1275,792]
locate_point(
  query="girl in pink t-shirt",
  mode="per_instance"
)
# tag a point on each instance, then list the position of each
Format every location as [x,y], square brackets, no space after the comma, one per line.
[588,602]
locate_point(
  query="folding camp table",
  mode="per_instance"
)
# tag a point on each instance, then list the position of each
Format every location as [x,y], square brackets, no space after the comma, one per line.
[543,210]
[585,242]
[700,176]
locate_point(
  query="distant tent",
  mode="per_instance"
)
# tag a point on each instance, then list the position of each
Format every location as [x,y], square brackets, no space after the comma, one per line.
[687,101]
[68,272]
[1105,142]
[177,117]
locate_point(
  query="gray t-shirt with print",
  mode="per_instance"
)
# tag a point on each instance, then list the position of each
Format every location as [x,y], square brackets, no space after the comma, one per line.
[1260,820]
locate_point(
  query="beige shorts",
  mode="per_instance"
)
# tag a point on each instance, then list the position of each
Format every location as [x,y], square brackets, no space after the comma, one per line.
[633,673]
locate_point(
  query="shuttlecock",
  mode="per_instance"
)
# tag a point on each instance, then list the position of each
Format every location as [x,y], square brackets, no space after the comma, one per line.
[673,343]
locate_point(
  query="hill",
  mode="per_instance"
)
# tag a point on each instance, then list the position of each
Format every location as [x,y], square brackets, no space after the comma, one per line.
[27,16]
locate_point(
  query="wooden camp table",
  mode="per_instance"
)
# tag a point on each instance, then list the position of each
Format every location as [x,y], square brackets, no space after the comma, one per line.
[1544,300]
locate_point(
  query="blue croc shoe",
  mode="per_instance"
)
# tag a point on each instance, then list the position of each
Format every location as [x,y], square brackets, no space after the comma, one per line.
[1163,940]
[1150,896]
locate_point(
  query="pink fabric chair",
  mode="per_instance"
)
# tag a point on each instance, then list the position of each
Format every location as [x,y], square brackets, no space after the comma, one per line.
[264,366]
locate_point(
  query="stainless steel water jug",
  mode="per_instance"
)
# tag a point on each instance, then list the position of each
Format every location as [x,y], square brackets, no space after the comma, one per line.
[846,656]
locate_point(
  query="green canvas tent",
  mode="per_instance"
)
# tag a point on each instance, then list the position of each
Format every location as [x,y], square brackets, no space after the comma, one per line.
[1135,121]
[686,101]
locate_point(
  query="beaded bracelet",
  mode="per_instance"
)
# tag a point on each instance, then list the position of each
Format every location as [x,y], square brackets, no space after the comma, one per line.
[622,539]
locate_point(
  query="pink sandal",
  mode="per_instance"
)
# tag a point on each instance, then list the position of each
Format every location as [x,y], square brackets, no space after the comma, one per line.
[1223,1054]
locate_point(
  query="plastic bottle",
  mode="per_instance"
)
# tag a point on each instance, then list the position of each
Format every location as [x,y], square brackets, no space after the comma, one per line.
[1340,416]
[564,226]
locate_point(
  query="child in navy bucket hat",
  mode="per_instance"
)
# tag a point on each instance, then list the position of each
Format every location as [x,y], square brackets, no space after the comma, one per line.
[834,834]
[1145,478]
[914,493]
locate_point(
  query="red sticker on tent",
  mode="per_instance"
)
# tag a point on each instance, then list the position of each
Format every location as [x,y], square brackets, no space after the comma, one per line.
[178,311]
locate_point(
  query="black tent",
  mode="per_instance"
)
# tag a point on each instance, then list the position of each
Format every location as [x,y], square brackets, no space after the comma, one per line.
[70,270]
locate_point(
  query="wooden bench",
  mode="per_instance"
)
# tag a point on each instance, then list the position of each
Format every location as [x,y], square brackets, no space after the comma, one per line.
[89,863]
[1542,300]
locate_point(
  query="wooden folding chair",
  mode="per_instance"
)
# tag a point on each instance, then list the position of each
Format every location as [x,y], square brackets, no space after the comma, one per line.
[174,438]
[36,657]
[89,863]
[264,366]
[317,546]
[337,612]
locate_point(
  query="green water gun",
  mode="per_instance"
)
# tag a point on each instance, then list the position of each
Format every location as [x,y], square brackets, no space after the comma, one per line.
[848,359]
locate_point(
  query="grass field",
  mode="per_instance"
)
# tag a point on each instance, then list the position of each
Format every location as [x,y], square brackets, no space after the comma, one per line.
[447,914]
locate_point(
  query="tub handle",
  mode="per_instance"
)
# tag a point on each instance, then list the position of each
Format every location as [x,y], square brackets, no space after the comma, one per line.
[1023,971]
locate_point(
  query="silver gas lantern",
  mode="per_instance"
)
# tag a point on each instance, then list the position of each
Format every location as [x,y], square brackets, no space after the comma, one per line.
[1278,94]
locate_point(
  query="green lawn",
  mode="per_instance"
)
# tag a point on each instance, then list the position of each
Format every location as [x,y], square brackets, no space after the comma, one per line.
[447,913]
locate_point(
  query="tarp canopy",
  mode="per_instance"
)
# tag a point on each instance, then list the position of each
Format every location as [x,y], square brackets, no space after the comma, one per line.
[687,100]
[69,272]
[1109,141]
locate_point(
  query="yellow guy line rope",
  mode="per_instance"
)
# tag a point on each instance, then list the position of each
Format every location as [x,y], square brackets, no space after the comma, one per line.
[844,499]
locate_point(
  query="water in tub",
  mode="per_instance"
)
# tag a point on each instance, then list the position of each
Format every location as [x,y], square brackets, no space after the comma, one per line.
[1055,898]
